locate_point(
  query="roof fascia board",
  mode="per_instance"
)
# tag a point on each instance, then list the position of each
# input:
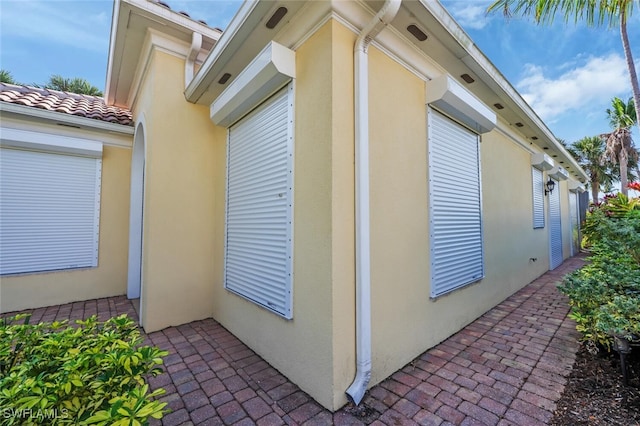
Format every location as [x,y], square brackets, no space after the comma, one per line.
[66,119]
[116,27]
[241,25]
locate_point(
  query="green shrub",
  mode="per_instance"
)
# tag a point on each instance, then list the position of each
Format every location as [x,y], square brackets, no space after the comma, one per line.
[92,373]
[605,294]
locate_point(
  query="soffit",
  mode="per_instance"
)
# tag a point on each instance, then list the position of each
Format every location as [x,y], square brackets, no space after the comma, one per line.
[448,49]
[131,19]
[451,48]
[245,37]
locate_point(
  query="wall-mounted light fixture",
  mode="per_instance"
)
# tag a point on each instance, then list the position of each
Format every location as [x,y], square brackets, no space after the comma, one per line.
[549,186]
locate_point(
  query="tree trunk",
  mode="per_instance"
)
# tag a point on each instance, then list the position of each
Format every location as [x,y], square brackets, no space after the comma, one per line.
[635,87]
[624,161]
[595,189]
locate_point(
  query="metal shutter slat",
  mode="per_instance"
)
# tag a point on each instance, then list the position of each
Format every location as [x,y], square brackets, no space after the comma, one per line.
[49,211]
[258,259]
[455,205]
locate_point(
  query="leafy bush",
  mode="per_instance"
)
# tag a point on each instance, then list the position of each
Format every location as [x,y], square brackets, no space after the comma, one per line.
[605,294]
[94,373]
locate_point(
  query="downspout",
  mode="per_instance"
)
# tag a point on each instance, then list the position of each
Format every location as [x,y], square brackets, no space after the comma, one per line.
[356,391]
[189,65]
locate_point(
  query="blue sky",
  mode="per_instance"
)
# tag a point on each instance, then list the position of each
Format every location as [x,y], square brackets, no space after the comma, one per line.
[567,72]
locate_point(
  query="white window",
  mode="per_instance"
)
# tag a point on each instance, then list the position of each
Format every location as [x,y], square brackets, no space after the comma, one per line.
[49,210]
[258,253]
[538,197]
[455,207]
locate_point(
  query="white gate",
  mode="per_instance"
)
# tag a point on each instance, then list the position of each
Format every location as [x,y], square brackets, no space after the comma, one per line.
[555,228]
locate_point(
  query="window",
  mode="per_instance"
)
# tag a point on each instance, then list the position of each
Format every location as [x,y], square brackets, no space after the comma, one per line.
[538,198]
[50,211]
[258,253]
[455,208]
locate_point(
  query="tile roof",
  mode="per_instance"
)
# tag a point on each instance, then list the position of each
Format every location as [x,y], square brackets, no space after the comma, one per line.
[87,106]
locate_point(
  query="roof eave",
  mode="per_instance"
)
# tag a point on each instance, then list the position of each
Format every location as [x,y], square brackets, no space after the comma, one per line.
[241,26]
[126,40]
[480,64]
[66,119]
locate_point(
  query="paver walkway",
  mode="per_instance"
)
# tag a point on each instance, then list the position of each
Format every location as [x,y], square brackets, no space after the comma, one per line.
[506,368]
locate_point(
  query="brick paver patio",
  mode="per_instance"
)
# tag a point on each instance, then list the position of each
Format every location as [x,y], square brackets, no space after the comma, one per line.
[506,368]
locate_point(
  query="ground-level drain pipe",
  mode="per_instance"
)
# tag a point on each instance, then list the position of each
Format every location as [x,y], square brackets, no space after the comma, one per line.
[356,391]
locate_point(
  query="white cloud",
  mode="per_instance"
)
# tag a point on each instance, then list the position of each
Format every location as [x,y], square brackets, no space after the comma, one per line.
[469,14]
[60,22]
[597,80]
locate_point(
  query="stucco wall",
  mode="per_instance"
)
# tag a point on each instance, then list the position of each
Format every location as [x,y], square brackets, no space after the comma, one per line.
[109,278]
[406,321]
[179,198]
[300,348]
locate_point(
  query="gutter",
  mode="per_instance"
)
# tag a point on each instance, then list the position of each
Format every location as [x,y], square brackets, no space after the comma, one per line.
[356,391]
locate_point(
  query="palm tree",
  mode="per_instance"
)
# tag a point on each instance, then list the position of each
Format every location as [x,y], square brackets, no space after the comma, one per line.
[6,77]
[592,11]
[589,152]
[73,85]
[619,144]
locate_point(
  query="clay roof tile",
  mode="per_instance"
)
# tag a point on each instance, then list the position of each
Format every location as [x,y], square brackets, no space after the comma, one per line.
[89,106]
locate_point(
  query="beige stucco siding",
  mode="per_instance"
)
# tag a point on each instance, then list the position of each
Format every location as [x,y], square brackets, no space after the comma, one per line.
[510,241]
[178,238]
[406,321]
[109,278]
[399,219]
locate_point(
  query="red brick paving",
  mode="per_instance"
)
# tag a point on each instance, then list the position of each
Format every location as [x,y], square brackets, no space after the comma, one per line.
[506,368]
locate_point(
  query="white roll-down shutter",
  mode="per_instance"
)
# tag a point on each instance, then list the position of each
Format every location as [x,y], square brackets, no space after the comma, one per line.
[455,206]
[49,211]
[538,198]
[258,258]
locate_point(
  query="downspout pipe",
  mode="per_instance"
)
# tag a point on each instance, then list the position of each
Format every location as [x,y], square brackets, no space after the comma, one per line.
[189,65]
[356,391]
